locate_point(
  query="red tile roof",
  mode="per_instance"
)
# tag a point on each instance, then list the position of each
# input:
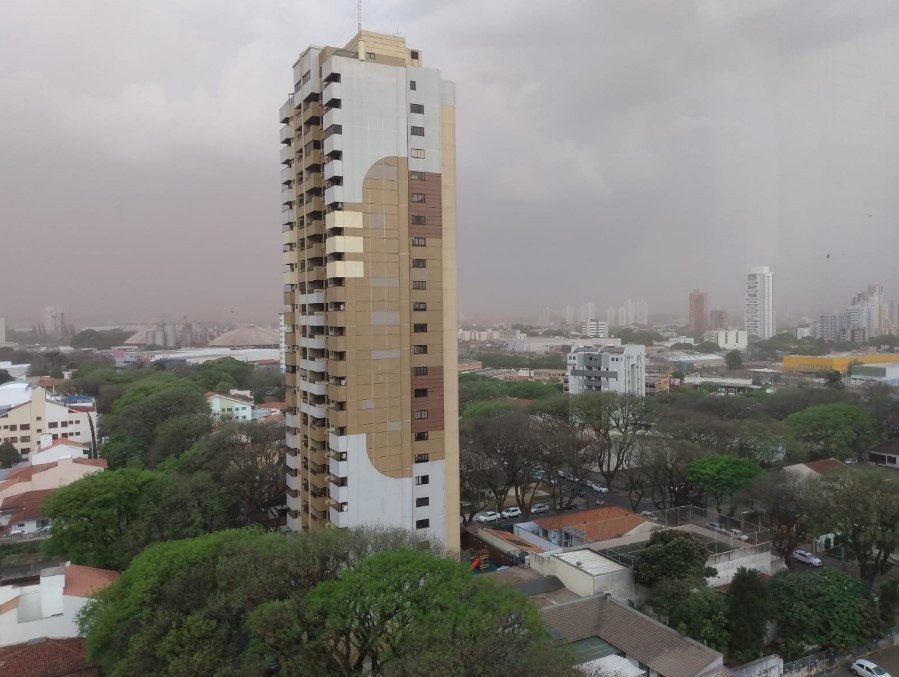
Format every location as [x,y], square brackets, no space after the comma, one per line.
[825,465]
[96,462]
[41,657]
[512,539]
[67,441]
[24,506]
[598,524]
[85,581]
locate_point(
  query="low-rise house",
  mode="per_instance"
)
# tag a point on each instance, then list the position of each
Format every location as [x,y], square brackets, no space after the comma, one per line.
[53,475]
[24,513]
[609,637]
[886,454]
[814,469]
[233,407]
[48,608]
[61,448]
[571,529]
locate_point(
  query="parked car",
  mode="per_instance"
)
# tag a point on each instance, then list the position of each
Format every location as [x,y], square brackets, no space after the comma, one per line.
[489,516]
[540,509]
[736,533]
[509,513]
[596,486]
[568,476]
[807,558]
[45,529]
[18,531]
[649,515]
[865,667]
[713,526]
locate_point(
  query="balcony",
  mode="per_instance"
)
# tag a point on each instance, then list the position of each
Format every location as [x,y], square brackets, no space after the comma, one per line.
[319,366]
[331,92]
[333,144]
[311,297]
[337,368]
[314,342]
[286,155]
[337,418]
[344,244]
[316,204]
[287,196]
[313,113]
[286,111]
[316,410]
[312,319]
[334,194]
[291,420]
[315,388]
[337,393]
[313,159]
[286,134]
[295,483]
[333,168]
[336,344]
[337,493]
[293,440]
[287,176]
[338,519]
[288,218]
[332,117]
[313,181]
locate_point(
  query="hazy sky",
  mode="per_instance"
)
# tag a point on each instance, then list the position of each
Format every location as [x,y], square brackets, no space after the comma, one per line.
[606,149]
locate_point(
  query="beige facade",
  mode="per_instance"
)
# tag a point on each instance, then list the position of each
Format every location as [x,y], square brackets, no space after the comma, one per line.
[30,419]
[369,233]
[51,475]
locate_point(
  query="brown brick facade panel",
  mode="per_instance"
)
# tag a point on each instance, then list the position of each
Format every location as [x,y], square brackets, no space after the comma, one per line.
[428,185]
[432,403]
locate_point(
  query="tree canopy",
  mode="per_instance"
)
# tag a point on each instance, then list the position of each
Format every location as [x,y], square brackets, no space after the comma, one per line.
[671,554]
[839,429]
[721,475]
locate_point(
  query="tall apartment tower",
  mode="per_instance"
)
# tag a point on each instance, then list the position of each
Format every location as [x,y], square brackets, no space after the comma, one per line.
[718,319]
[369,241]
[699,302]
[759,302]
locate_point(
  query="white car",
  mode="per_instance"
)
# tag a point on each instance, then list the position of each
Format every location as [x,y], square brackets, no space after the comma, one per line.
[540,509]
[568,476]
[807,558]
[488,516]
[597,487]
[866,667]
[739,535]
[509,513]
[18,531]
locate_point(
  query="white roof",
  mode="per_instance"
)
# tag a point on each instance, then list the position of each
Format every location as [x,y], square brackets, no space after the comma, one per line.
[591,562]
[613,666]
[14,393]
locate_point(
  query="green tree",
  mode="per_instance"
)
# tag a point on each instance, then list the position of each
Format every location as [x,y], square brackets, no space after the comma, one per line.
[887,601]
[786,501]
[707,347]
[228,371]
[703,617]
[734,359]
[9,455]
[862,506]
[842,430]
[824,609]
[721,475]
[833,379]
[748,610]
[671,554]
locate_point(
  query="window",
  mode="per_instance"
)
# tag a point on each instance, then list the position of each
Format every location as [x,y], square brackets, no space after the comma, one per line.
[418,220]
[421,392]
[307,76]
[418,131]
[416,108]
[64,424]
[420,414]
[422,524]
[419,284]
[422,502]
[13,426]
[418,153]
[420,371]
[53,424]
[419,305]
[421,436]
[421,458]
[415,56]
[421,479]
[419,263]
[419,350]
[416,176]
[369,55]
[412,85]
[419,242]
[25,438]
[418,198]
[419,328]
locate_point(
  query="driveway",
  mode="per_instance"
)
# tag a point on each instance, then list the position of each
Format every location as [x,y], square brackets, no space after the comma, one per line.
[888,659]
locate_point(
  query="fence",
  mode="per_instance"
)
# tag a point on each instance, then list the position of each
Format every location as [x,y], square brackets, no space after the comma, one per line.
[816,663]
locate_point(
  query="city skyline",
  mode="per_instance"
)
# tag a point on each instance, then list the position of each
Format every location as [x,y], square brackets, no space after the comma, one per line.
[180,162]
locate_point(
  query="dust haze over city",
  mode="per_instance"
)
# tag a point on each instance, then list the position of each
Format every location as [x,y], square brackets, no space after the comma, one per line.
[606,150]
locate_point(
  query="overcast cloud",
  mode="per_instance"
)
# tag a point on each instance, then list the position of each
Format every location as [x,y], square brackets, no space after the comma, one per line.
[605,149]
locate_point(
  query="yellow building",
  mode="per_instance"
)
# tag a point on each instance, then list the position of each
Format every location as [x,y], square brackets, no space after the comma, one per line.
[836,362]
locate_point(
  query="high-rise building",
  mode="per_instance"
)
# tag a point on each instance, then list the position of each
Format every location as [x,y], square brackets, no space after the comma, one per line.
[870,311]
[612,316]
[699,302]
[568,315]
[595,329]
[718,319]
[586,312]
[642,312]
[369,235]
[759,302]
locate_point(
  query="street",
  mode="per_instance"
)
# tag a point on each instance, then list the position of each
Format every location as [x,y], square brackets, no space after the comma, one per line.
[888,659]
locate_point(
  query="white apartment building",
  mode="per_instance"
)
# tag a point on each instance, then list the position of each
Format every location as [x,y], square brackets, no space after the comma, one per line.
[619,369]
[595,329]
[232,407]
[759,302]
[31,419]
[586,312]
[282,343]
[728,339]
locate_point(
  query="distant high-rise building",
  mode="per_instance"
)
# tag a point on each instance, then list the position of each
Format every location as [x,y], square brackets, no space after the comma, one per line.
[568,315]
[612,316]
[369,214]
[870,311]
[544,318]
[831,326]
[699,302]
[586,312]
[595,329]
[642,312]
[718,319]
[759,302]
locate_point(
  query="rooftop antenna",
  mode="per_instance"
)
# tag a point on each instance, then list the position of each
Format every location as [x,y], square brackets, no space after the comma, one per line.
[359,15]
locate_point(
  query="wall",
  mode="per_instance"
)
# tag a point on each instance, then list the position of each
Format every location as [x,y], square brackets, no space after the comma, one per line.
[13,632]
[769,666]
